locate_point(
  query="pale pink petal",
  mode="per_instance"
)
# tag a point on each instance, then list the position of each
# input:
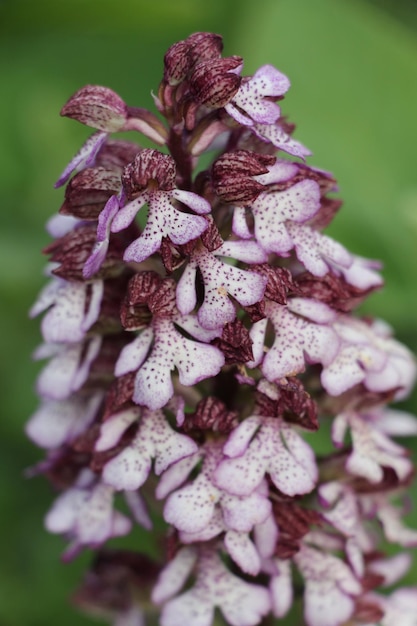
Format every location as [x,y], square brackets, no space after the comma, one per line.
[126,214]
[274,134]
[186,296]
[240,225]
[113,428]
[174,575]
[392,569]
[176,475]
[192,200]
[281,588]
[240,437]
[243,552]
[137,507]
[85,157]
[57,422]
[133,355]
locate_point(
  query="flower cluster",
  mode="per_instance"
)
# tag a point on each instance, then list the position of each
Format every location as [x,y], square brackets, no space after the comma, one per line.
[192,347]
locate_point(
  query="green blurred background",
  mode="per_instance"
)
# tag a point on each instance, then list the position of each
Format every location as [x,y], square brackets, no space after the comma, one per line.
[353,66]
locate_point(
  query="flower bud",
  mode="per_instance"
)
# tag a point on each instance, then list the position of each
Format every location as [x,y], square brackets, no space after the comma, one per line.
[98,107]
[214,83]
[233,173]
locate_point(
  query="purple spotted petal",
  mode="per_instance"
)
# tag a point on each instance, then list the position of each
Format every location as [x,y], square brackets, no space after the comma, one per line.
[194,361]
[241,603]
[127,213]
[186,295]
[272,211]
[273,133]
[281,587]
[68,318]
[192,200]
[174,575]
[156,441]
[253,97]
[297,342]
[163,221]
[133,355]
[87,515]
[277,450]
[113,428]
[243,552]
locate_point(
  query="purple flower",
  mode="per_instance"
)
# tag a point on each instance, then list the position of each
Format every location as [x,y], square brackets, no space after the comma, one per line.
[85,514]
[191,349]
[221,279]
[372,450]
[368,354]
[68,368]
[150,179]
[155,441]
[331,587]
[73,309]
[253,101]
[299,339]
[263,445]
[201,510]
[242,603]
[194,360]
[60,421]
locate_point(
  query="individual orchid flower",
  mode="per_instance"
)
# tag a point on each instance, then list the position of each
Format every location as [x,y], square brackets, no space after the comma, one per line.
[150,179]
[85,513]
[73,309]
[368,355]
[372,450]
[262,445]
[57,422]
[330,587]
[103,109]
[168,349]
[253,100]
[303,334]
[242,603]
[201,510]
[68,368]
[155,440]
[221,280]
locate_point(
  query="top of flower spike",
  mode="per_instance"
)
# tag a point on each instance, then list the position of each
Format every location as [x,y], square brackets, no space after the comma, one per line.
[182,56]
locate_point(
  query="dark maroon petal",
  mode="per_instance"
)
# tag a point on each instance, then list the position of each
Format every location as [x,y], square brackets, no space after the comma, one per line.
[235,343]
[213,83]
[293,523]
[98,107]
[88,191]
[161,302]
[280,282]
[120,395]
[149,167]
[232,175]
[211,237]
[210,414]
[183,55]
[331,289]
[117,153]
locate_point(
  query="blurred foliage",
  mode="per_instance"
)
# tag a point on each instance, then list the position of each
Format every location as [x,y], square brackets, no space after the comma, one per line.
[353,66]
